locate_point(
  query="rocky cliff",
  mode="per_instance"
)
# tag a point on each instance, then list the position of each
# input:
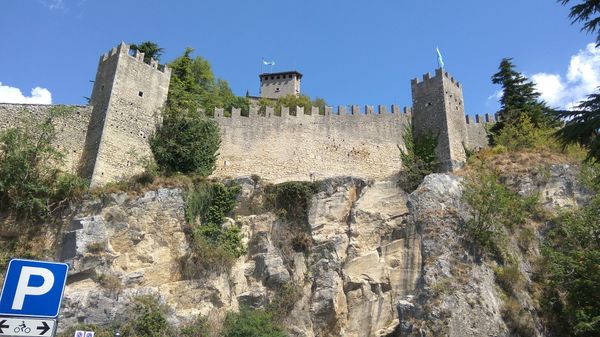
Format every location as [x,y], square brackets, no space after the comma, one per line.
[378,262]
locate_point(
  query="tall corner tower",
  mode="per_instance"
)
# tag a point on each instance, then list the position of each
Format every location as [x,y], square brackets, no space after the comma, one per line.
[127,99]
[438,109]
[275,85]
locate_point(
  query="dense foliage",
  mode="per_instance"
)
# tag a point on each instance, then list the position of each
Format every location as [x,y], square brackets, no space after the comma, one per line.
[150,49]
[186,143]
[251,323]
[582,126]
[572,269]
[519,101]
[194,87]
[494,209]
[206,207]
[31,184]
[418,161]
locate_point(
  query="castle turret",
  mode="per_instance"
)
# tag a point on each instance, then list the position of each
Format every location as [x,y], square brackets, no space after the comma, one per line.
[127,99]
[438,110]
[275,85]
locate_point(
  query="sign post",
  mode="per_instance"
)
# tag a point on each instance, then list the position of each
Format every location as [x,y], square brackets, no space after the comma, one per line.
[31,297]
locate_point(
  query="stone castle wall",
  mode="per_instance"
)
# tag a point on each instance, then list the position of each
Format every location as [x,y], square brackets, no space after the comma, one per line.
[70,129]
[127,97]
[108,140]
[305,147]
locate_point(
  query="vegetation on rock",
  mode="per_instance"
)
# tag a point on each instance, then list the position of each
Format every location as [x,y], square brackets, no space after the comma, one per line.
[31,185]
[418,161]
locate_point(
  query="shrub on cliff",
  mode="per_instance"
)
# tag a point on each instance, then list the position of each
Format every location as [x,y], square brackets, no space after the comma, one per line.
[214,245]
[571,269]
[186,143]
[418,160]
[31,183]
[248,322]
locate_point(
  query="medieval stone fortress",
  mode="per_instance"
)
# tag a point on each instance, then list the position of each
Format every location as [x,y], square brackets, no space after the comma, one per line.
[107,140]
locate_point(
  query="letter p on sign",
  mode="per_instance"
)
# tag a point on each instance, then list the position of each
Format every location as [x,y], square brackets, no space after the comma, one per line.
[33,288]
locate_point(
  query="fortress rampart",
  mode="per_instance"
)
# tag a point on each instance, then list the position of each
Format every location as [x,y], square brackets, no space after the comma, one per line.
[304,147]
[71,129]
[107,140]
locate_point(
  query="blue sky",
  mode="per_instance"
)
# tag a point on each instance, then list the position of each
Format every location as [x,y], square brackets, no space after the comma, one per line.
[350,52]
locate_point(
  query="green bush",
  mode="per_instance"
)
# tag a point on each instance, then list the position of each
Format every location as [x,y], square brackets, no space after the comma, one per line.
[186,143]
[146,319]
[251,323]
[522,134]
[31,183]
[418,161]
[292,199]
[493,208]
[571,269]
[214,246]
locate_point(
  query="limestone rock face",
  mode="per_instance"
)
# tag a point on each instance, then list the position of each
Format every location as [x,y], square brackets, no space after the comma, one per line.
[364,259]
[380,262]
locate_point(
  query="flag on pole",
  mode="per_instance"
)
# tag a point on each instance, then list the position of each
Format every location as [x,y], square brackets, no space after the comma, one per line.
[268,63]
[440,59]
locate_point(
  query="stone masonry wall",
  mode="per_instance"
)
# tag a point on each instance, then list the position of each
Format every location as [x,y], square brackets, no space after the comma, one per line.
[70,129]
[132,113]
[439,110]
[306,147]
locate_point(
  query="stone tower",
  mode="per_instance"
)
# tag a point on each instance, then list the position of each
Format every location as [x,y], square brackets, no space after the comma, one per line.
[438,109]
[275,85]
[127,99]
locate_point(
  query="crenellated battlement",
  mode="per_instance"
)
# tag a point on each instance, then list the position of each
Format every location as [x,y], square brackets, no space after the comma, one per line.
[314,112]
[125,49]
[427,80]
[298,143]
[481,119]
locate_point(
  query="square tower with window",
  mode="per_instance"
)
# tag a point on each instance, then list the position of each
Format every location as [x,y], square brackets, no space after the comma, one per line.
[275,85]
[439,111]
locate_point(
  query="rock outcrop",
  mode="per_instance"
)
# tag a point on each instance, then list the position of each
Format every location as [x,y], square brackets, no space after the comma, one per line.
[380,262]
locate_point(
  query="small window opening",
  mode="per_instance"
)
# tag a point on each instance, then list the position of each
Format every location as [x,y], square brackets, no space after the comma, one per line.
[276,89]
[141,94]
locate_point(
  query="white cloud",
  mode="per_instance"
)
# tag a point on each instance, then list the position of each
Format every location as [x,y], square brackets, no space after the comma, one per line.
[582,79]
[53,4]
[14,95]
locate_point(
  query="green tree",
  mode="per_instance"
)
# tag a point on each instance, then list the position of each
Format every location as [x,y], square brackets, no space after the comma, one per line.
[582,126]
[186,143]
[519,98]
[586,12]
[150,49]
[194,86]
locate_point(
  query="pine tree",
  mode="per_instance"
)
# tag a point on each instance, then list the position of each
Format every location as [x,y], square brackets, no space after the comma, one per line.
[519,98]
[582,126]
[150,49]
[586,12]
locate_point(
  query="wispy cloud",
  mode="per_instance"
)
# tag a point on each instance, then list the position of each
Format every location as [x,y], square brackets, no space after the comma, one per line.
[14,95]
[582,78]
[53,4]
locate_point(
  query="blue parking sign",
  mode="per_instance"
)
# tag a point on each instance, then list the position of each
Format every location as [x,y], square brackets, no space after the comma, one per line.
[33,288]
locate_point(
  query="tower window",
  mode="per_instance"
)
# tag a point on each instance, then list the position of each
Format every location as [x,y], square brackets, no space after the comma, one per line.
[276,89]
[141,93]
